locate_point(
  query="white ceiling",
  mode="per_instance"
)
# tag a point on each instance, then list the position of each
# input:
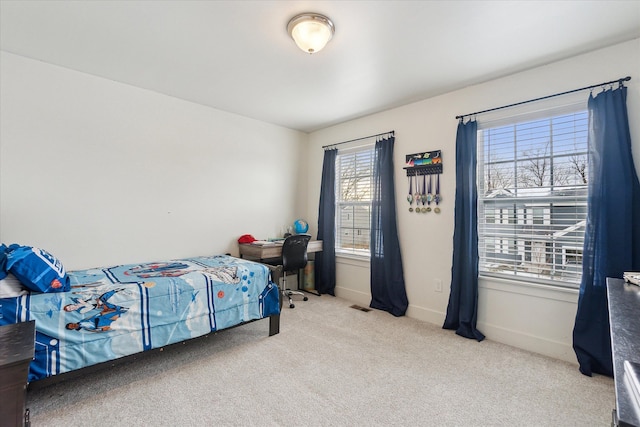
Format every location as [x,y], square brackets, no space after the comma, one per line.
[236,56]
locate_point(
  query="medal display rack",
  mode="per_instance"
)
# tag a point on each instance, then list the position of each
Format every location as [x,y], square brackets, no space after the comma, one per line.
[421,165]
[426,163]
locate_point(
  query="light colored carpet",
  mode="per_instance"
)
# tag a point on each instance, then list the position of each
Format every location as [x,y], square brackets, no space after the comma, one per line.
[331,365]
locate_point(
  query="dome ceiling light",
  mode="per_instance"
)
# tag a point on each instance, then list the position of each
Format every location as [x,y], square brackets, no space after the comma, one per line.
[311,31]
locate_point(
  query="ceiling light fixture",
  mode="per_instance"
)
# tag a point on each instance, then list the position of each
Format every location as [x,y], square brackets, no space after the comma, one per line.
[311,31]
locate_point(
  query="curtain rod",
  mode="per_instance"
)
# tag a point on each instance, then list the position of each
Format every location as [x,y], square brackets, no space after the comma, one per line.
[392,132]
[624,79]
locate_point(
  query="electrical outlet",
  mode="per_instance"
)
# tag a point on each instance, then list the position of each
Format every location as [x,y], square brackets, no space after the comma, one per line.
[437,284]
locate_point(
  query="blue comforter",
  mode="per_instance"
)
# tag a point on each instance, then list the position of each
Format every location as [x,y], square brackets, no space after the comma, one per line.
[117,311]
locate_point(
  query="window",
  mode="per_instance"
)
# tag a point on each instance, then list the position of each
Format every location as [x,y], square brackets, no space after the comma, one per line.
[354,184]
[532,197]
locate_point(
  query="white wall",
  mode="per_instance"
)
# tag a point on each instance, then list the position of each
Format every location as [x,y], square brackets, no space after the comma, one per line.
[536,318]
[99,172]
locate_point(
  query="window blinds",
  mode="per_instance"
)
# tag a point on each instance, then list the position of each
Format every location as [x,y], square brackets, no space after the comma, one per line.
[354,171]
[532,198]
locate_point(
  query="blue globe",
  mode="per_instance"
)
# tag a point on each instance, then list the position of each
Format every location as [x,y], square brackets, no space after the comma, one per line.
[300,226]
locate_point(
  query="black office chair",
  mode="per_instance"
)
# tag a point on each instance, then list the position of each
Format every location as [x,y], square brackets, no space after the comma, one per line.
[294,258]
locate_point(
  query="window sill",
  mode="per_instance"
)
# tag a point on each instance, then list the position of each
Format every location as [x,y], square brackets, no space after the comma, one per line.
[352,259]
[529,288]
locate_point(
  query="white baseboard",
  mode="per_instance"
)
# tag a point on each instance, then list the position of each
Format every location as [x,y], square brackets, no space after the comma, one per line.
[364,299]
[426,315]
[360,298]
[518,339]
[532,343]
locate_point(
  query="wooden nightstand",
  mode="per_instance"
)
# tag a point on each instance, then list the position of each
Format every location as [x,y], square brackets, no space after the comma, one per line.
[17,344]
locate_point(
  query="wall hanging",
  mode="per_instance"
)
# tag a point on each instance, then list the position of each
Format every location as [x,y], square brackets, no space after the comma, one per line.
[421,188]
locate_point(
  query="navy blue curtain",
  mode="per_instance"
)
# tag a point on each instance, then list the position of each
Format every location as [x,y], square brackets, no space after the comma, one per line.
[462,311]
[388,291]
[612,237]
[325,262]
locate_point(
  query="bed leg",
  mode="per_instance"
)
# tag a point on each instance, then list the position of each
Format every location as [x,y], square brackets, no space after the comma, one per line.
[274,324]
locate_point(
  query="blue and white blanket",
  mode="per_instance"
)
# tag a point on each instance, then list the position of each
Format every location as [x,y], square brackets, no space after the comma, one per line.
[117,311]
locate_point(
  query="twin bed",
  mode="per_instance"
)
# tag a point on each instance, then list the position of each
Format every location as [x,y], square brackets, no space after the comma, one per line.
[113,312]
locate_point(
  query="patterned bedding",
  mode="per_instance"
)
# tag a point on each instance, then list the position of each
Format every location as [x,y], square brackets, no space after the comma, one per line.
[118,311]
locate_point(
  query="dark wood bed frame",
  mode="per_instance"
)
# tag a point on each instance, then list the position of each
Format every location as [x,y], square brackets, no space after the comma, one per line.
[274,328]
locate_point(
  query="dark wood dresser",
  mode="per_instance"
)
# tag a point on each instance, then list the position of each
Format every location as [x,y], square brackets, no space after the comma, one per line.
[16,352]
[624,319]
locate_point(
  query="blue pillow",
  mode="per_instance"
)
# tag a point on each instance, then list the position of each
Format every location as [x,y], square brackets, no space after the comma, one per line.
[3,260]
[37,269]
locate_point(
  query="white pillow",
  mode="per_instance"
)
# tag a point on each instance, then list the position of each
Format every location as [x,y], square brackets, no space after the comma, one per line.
[11,287]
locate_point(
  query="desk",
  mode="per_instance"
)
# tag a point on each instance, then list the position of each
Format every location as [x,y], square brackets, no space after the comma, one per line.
[624,319]
[273,251]
[270,251]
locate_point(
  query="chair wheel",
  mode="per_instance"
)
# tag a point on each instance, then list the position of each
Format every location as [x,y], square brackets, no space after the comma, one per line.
[292,306]
[305,299]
